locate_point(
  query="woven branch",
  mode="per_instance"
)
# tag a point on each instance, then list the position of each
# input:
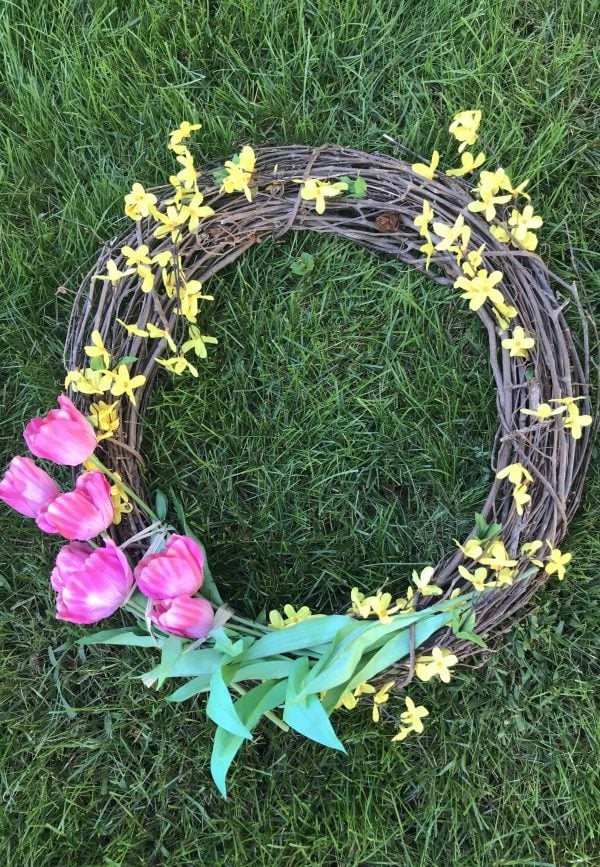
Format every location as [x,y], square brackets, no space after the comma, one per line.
[383,223]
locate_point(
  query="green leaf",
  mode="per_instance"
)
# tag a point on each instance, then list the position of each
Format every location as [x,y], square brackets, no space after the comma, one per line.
[303,265]
[268,669]
[193,663]
[171,651]
[338,665]
[485,531]
[224,644]
[307,634]
[126,636]
[191,688]
[97,363]
[308,716]
[127,359]
[397,648]
[220,708]
[249,708]
[359,188]
[473,637]
[161,505]
[219,175]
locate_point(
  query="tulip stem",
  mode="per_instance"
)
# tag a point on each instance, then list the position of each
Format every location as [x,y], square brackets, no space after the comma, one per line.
[235,618]
[236,629]
[269,714]
[118,481]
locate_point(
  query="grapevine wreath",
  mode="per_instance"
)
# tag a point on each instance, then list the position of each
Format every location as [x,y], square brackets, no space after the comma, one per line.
[137,312]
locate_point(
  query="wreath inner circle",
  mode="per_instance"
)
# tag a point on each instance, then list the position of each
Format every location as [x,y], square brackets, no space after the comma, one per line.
[137,313]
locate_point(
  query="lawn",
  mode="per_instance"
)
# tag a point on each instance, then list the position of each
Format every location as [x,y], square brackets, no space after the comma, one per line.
[340,434]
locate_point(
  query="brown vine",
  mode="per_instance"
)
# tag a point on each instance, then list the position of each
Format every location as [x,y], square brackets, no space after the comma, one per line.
[382,223]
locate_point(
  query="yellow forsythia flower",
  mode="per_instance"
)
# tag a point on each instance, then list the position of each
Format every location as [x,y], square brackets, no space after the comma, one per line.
[105,418]
[423,219]
[519,344]
[575,421]
[490,184]
[198,342]
[481,288]
[89,381]
[556,562]
[278,621]
[468,164]
[382,696]
[98,349]
[464,127]
[157,333]
[438,663]
[544,411]
[451,234]
[313,188]
[427,171]
[178,364]
[123,383]
[113,275]
[498,559]
[422,582]
[411,719]
[239,174]
[197,211]
[504,313]
[521,225]
[138,202]
[136,255]
[120,500]
[477,578]
[184,130]
[171,222]
[473,548]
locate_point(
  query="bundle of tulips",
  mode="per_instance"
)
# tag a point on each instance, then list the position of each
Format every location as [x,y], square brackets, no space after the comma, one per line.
[93,580]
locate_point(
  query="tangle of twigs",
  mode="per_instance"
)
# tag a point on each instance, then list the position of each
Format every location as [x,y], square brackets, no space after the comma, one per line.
[383,223]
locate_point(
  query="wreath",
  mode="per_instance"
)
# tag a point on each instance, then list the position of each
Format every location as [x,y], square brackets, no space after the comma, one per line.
[138,310]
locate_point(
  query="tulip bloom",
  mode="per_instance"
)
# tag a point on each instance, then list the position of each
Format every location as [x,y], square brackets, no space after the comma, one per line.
[26,488]
[174,571]
[83,513]
[189,616]
[91,583]
[64,436]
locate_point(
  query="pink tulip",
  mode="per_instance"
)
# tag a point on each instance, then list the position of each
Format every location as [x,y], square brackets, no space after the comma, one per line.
[64,436]
[189,616]
[91,582]
[26,488]
[174,571]
[82,513]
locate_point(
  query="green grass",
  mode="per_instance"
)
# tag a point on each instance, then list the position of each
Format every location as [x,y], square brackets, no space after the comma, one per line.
[340,433]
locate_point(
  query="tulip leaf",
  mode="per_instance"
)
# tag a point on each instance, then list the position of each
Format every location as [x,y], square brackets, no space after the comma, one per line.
[171,651]
[338,667]
[126,636]
[308,716]
[268,669]
[193,663]
[397,648]
[220,708]
[191,688]
[249,708]
[161,505]
[307,634]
